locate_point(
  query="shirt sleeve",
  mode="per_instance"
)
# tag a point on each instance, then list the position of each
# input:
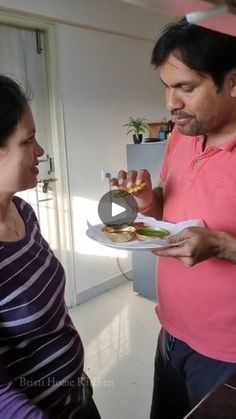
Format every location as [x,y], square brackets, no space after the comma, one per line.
[13,403]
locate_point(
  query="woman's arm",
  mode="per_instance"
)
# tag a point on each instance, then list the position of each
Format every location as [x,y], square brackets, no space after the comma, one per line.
[13,403]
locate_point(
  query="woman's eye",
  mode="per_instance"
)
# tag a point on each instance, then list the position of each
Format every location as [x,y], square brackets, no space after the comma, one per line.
[29,140]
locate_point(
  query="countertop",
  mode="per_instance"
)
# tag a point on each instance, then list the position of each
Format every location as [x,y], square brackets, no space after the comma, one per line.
[218,404]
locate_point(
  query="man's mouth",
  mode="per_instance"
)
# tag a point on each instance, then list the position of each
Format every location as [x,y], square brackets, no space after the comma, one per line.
[181,120]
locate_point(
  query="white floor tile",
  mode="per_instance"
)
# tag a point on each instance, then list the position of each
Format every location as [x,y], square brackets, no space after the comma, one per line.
[140,344]
[109,318]
[119,330]
[122,386]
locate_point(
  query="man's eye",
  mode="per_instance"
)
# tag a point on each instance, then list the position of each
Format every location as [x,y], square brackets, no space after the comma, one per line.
[187,89]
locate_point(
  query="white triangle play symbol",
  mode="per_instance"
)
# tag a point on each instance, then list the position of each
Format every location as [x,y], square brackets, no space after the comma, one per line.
[116,209]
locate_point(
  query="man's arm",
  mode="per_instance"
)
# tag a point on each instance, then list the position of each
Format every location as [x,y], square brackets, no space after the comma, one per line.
[226,247]
[196,244]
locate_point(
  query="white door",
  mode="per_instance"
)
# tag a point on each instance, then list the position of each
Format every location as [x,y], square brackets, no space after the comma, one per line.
[23,58]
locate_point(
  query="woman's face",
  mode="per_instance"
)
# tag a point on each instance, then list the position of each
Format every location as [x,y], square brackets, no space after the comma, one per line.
[19,157]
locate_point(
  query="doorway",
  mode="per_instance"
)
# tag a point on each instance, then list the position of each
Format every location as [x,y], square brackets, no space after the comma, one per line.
[25,58]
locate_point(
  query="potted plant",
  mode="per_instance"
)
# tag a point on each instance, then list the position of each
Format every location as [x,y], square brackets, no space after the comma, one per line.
[136,126]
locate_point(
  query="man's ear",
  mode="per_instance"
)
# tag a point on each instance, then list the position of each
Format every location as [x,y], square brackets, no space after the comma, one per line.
[232,79]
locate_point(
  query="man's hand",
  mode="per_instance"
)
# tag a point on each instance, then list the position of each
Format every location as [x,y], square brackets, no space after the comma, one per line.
[132,178]
[193,245]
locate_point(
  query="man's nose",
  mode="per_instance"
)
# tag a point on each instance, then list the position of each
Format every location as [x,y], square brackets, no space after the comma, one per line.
[173,100]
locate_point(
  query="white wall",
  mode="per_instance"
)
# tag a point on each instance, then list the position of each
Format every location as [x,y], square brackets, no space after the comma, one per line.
[106,14]
[105,77]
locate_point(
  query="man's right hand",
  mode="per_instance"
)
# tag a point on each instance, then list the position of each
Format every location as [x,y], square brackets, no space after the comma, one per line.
[126,180]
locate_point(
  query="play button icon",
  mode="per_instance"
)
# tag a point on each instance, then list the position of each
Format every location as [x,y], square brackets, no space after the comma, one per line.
[117,207]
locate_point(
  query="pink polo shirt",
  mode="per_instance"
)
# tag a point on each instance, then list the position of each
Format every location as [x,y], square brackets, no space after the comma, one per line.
[198,304]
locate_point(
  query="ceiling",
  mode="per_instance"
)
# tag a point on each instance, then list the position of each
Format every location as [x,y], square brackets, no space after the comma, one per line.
[218,15]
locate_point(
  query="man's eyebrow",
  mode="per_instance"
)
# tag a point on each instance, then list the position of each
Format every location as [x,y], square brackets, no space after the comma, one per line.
[179,84]
[163,82]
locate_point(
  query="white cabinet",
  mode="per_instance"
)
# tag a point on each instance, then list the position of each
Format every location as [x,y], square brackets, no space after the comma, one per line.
[145,156]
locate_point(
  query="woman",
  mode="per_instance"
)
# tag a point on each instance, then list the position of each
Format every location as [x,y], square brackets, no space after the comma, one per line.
[41,354]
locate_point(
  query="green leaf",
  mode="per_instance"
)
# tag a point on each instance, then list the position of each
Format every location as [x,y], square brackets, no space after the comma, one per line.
[136,125]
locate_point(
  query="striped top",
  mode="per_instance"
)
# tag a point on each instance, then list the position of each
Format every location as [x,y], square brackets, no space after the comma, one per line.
[41,354]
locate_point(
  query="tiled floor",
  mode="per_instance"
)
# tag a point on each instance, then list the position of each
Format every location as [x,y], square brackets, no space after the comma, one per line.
[119,331]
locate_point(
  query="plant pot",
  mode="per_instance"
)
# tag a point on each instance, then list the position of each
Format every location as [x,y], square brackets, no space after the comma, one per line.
[138,139]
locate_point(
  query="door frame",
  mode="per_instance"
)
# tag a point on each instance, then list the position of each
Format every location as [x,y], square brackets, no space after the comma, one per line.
[25,21]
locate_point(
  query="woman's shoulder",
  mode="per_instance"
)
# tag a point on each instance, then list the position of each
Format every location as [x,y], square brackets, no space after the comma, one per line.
[22,204]
[25,209]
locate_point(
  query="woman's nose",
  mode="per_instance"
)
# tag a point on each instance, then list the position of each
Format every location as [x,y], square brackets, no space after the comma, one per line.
[39,149]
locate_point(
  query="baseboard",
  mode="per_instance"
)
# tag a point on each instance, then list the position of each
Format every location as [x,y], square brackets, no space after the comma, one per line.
[101,288]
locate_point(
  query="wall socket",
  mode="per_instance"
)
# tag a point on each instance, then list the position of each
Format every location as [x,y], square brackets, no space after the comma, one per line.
[107,174]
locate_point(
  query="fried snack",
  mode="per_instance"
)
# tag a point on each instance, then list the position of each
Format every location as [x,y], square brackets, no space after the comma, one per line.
[137,225]
[119,235]
[136,188]
[107,229]
[111,228]
[131,190]
[138,230]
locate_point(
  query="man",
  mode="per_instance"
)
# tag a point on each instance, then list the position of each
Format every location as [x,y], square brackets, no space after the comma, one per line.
[196,282]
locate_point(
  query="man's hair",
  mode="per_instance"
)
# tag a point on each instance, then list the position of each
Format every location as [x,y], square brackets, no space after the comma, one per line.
[203,50]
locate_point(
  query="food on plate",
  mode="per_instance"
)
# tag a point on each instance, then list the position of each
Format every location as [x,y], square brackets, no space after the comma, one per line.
[111,228]
[119,235]
[137,225]
[132,189]
[137,230]
[147,233]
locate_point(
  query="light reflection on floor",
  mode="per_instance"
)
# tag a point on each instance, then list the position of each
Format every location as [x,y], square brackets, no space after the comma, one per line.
[119,331]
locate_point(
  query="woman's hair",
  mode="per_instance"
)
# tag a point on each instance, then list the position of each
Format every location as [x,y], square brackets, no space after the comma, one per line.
[13,101]
[203,50]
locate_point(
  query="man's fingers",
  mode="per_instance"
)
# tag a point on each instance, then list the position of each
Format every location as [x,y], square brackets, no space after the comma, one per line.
[114,182]
[131,178]
[142,176]
[175,251]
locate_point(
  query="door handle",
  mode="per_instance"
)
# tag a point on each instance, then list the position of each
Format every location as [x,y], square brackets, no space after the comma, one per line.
[46,182]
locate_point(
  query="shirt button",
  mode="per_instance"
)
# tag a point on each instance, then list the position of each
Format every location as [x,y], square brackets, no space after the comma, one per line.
[196,162]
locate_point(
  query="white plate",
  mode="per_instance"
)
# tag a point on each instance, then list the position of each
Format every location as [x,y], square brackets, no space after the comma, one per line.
[96,233]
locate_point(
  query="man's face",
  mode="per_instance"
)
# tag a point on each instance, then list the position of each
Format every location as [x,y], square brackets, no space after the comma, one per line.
[193,100]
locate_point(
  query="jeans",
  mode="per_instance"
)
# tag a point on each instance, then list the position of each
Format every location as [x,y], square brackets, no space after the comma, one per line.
[182,377]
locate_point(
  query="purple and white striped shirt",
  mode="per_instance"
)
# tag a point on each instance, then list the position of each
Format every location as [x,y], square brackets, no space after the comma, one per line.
[41,354]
